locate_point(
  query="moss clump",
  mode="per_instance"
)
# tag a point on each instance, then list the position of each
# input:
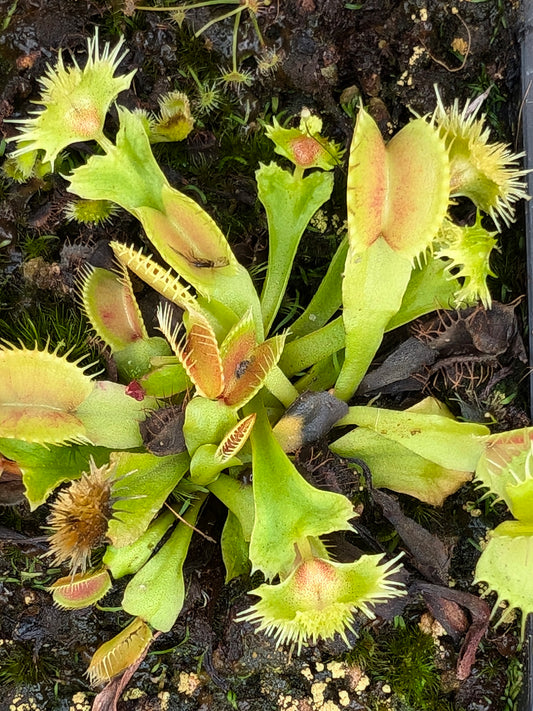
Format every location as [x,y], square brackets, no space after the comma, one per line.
[19,664]
[404,660]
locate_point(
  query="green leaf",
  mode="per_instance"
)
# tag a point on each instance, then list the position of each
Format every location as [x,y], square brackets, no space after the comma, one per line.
[128,173]
[429,288]
[374,284]
[313,347]
[288,509]
[44,468]
[143,482]
[238,498]
[167,378]
[234,548]
[111,418]
[135,359]
[205,467]
[326,300]
[129,559]
[397,468]
[290,201]
[451,444]
[206,422]
[157,591]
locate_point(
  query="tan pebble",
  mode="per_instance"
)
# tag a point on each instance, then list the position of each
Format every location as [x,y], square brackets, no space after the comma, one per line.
[344,697]
[317,692]
[337,669]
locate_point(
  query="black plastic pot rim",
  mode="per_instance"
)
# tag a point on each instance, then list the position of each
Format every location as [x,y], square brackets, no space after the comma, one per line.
[526,699]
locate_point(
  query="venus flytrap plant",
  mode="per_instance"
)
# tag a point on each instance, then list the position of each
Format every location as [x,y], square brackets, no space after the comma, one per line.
[76,102]
[225,385]
[175,120]
[291,200]
[90,212]
[468,250]
[384,226]
[316,597]
[400,237]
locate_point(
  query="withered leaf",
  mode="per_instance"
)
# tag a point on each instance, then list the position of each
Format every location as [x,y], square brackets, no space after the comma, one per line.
[162,431]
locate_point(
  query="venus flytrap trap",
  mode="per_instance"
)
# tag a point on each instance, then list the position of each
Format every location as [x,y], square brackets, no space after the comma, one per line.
[397,198]
[319,597]
[175,120]
[109,304]
[121,652]
[46,400]
[486,173]
[224,384]
[90,212]
[505,469]
[24,166]
[75,101]
[81,589]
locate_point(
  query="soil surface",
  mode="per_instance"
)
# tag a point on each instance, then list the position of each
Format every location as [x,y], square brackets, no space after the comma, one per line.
[326,55]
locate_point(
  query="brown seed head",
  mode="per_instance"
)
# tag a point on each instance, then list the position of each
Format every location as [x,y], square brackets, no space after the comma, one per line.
[79,517]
